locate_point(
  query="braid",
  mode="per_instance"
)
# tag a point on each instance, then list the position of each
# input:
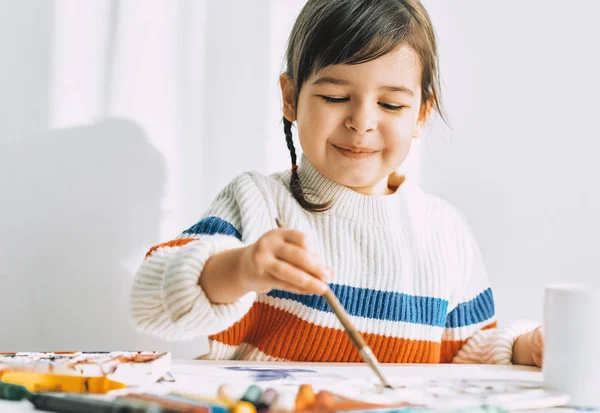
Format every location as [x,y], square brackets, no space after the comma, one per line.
[295,186]
[287,129]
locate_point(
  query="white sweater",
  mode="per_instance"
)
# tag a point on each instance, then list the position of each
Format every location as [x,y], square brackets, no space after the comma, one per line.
[407,269]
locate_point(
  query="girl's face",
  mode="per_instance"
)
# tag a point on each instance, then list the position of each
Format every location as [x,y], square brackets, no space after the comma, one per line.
[356,122]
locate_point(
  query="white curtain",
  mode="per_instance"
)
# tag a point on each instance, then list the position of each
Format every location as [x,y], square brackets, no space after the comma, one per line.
[123,120]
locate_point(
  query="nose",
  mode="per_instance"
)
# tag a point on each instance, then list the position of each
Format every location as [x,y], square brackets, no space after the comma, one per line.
[362,119]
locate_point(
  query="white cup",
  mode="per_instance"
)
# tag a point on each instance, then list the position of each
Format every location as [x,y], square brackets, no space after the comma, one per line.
[572,342]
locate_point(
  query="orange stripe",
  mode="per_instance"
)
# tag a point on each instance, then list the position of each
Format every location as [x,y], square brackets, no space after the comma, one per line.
[490,326]
[449,348]
[173,243]
[281,334]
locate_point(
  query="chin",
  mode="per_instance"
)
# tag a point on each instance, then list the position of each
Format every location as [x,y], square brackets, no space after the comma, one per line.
[353,181]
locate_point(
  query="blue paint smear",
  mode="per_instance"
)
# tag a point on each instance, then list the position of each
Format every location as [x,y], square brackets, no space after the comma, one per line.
[261,374]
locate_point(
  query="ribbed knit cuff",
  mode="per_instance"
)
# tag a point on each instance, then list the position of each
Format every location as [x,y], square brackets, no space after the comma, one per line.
[493,346]
[185,302]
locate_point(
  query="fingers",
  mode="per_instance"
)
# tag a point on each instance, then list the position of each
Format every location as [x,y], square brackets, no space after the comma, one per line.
[296,237]
[283,259]
[538,359]
[304,260]
[281,285]
[537,346]
[299,280]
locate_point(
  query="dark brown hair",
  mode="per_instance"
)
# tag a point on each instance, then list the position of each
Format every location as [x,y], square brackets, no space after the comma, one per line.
[329,32]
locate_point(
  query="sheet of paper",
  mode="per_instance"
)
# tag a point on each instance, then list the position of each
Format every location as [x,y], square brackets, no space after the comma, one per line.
[435,386]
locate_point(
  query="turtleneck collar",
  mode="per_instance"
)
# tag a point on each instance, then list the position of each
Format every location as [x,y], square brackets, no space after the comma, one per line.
[347,202]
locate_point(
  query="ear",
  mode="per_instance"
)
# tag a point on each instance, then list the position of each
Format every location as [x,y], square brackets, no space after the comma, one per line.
[288,95]
[424,113]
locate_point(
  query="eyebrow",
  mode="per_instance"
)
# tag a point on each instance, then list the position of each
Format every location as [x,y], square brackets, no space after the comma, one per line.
[342,82]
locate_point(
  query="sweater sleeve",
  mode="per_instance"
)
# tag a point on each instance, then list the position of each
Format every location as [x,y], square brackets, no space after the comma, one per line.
[166,299]
[471,334]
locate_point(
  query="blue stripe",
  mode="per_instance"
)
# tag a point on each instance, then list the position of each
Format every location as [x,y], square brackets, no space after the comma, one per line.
[477,310]
[380,305]
[213,225]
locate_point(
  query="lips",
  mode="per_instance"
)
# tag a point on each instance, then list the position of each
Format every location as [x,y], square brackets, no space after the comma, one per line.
[356,152]
[356,149]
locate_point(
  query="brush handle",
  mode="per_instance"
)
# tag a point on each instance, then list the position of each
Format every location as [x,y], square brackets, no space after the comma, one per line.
[338,309]
[357,339]
[341,314]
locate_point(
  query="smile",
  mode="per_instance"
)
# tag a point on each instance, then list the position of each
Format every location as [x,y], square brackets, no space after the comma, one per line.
[355,152]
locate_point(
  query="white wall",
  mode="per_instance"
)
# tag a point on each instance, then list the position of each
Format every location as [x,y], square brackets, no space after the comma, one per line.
[522,80]
[121,121]
[116,134]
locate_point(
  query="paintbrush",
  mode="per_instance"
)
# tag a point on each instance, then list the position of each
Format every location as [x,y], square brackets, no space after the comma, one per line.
[364,350]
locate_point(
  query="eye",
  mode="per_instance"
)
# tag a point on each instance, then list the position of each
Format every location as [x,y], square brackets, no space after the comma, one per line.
[329,99]
[393,108]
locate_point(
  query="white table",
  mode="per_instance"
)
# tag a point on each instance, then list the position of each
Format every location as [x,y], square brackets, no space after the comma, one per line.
[191,375]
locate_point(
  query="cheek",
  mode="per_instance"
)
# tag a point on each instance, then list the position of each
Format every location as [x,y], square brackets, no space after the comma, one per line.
[316,122]
[399,133]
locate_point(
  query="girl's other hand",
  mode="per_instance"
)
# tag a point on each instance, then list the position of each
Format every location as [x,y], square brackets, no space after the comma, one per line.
[529,348]
[537,346]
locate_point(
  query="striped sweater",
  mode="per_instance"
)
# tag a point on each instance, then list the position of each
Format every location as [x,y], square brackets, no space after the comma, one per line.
[407,270]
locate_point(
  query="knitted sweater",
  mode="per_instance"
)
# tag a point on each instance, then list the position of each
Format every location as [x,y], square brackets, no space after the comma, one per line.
[407,270]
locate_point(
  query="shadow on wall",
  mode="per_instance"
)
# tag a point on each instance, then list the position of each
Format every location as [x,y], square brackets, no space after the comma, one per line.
[78,207]
[77,203]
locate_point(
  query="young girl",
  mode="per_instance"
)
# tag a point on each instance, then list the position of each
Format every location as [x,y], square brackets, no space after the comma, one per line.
[361,82]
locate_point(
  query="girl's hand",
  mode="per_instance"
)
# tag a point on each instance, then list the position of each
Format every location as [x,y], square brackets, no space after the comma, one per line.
[529,348]
[281,259]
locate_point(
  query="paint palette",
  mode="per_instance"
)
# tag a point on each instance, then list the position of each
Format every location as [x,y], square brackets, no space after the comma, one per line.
[131,368]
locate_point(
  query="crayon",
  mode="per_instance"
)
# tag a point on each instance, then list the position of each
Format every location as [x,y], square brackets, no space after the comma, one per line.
[349,405]
[78,404]
[244,407]
[325,400]
[229,404]
[213,405]
[285,402]
[266,400]
[10,391]
[252,395]
[224,394]
[168,405]
[305,399]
